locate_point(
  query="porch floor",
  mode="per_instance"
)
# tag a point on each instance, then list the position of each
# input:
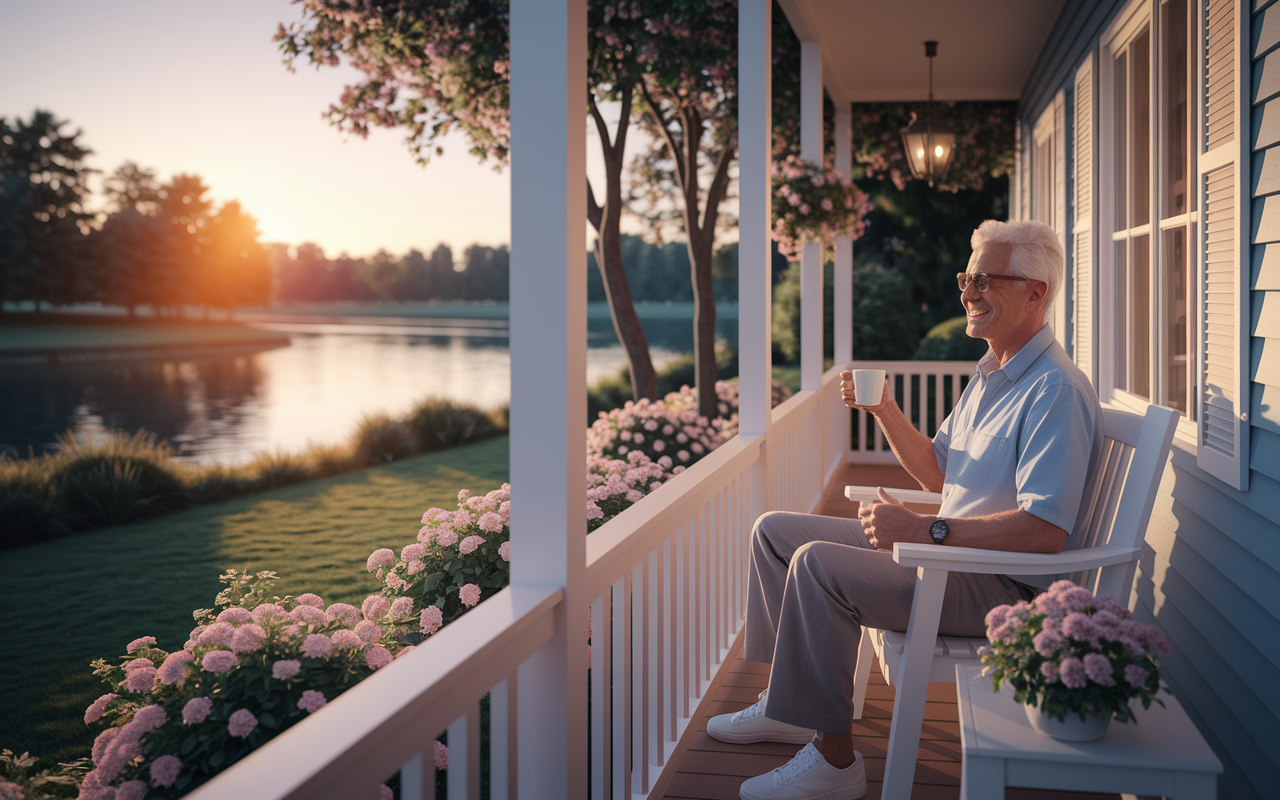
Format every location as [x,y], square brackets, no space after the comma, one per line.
[705,769]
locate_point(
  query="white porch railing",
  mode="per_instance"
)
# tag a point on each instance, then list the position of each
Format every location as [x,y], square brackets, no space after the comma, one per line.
[667,580]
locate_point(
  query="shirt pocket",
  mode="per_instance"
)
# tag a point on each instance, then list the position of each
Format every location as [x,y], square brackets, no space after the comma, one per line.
[984,459]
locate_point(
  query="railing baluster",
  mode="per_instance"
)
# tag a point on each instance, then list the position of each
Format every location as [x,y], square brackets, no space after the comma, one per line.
[683,646]
[459,760]
[411,779]
[501,739]
[621,667]
[639,678]
[601,719]
[704,597]
[671,659]
[713,567]
[655,650]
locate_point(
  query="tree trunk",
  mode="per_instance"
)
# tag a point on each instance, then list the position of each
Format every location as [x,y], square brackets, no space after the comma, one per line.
[607,221]
[701,251]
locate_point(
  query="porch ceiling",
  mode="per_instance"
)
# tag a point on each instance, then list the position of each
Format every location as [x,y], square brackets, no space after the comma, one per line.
[873,50]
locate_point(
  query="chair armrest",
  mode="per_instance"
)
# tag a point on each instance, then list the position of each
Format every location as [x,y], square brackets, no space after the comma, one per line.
[1002,562]
[868,494]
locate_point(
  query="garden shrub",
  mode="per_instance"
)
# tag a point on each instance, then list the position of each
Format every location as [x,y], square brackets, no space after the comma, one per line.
[885,317]
[103,482]
[272,469]
[378,438]
[947,341]
[438,423]
[29,511]
[253,667]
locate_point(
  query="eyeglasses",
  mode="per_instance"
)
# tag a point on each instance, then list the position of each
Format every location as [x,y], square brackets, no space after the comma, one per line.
[982,280]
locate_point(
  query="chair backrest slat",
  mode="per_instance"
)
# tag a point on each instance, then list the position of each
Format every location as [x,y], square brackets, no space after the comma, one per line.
[1134,452]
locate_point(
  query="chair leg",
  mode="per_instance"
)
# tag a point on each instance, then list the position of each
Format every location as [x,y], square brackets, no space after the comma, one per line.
[913,687]
[862,674]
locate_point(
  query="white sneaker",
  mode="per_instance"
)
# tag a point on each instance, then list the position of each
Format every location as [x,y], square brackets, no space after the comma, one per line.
[751,725]
[808,776]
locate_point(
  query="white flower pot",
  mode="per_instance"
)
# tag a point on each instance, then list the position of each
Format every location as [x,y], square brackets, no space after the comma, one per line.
[1071,728]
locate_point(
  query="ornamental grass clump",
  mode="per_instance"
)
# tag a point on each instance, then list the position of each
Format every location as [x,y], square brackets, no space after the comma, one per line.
[253,666]
[816,204]
[1069,652]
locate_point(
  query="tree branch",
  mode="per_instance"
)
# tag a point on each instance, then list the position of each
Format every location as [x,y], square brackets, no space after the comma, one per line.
[595,214]
[602,129]
[719,183]
[656,112]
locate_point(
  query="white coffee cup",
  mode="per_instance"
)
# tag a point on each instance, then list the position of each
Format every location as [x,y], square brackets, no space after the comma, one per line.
[868,386]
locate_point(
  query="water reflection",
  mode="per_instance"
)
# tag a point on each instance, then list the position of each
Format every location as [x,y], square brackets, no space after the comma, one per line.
[226,406]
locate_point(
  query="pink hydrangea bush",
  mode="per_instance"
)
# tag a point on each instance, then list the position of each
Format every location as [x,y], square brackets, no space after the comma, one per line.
[814,203]
[253,666]
[461,557]
[669,431]
[1070,652]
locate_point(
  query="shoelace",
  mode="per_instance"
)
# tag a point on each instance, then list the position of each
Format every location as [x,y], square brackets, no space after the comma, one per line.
[797,767]
[751,712]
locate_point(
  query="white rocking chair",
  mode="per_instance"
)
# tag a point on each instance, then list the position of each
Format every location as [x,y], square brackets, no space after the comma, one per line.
[1134,455]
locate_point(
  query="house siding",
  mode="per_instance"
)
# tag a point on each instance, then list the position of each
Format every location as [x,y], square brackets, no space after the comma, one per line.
[1210,570]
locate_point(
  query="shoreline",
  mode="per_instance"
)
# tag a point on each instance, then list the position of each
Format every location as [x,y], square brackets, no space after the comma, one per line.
[44,338]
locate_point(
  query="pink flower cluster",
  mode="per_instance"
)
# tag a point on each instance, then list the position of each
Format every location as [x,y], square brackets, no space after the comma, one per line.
[291,641]
[668,431]
[1080,640]
[815,204]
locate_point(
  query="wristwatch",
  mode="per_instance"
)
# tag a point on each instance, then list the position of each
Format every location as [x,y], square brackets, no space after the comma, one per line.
[938,531]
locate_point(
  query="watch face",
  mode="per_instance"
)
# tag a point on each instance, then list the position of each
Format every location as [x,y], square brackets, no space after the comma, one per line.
[938,530]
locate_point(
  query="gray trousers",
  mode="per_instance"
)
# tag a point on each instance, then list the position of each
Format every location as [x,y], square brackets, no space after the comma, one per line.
[813,583]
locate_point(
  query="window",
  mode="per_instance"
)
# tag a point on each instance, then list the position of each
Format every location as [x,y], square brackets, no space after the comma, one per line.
[1152,213]
[1048,188]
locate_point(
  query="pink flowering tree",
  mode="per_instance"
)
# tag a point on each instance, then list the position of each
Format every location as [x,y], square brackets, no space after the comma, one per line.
[1069,652]
[253,666]
[816,204]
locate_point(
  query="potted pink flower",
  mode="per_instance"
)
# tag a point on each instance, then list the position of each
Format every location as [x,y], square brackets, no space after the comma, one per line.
[1075,661]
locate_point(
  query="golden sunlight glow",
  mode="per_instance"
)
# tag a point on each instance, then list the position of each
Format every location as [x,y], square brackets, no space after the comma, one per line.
[937,151]
[920,153]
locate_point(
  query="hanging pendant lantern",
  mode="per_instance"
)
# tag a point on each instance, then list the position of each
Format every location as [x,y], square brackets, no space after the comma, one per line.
[929,139]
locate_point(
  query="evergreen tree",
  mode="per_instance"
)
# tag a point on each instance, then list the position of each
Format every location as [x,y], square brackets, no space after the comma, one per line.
[42,199]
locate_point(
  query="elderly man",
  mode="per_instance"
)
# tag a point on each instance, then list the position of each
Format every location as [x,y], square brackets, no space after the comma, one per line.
[1012,461]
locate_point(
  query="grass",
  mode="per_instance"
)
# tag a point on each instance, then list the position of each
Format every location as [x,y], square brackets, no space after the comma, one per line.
[68,601]
[116,334]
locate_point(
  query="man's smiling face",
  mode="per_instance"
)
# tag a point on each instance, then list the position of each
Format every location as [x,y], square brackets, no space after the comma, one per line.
[1004,307]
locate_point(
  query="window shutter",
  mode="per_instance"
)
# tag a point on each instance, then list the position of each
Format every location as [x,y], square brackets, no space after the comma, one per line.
[1082,233]
[1223,391]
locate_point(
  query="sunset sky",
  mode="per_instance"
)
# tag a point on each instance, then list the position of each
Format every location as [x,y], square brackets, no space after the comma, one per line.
[179,86]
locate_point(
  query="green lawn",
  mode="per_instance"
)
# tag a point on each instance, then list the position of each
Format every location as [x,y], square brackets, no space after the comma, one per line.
[89,335]
[68,601]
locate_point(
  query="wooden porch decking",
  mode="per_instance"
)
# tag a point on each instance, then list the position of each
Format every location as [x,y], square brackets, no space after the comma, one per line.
[705,769]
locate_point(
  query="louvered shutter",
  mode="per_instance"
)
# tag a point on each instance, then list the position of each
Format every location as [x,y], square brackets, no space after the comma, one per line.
[1223,399]
[1082,233]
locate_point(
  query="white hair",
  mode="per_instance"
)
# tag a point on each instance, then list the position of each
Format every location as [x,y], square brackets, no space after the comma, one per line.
[1035,253]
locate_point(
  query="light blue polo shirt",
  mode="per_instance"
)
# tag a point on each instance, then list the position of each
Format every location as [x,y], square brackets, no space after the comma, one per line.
[1026,435]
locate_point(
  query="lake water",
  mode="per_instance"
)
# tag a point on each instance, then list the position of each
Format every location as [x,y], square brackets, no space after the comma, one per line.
[227,406]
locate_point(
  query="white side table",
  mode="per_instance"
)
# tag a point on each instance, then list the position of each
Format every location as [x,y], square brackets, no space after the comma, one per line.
[1163,755]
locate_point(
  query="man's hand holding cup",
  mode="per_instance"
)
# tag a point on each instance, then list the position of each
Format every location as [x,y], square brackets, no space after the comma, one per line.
[866,389]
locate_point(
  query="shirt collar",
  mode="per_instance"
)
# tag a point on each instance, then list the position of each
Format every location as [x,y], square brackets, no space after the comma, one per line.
[1021,361]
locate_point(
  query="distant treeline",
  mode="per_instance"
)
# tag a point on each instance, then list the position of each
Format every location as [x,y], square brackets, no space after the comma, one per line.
[158,244]
[305,274]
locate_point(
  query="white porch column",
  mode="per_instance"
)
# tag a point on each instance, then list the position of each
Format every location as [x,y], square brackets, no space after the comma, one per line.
[811,256]
[548,380]
[842,291]
[755,137]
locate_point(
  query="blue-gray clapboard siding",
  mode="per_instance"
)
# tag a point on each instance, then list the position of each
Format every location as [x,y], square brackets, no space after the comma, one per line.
[1210,574]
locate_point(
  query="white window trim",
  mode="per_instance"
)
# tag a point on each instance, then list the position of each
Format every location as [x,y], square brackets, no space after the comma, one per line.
[1125,26]
[1052,123]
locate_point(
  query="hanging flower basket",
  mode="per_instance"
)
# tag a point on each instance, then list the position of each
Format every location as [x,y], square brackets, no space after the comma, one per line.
[816,204]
